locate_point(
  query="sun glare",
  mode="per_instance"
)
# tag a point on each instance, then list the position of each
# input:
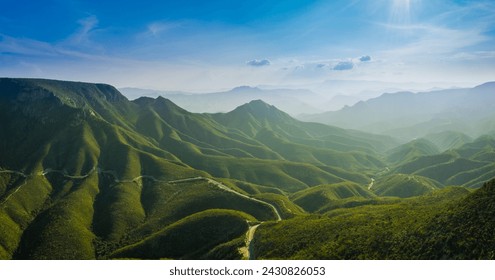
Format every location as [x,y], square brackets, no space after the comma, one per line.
[400,11]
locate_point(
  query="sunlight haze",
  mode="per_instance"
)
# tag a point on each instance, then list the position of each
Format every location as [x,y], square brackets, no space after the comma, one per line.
[200,46]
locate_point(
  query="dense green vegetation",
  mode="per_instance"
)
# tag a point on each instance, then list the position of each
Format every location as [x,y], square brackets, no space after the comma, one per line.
[324,196]
[470,165]
[446,140]
[411,150]
[393,230]
[87,174]
[402,185]
[191,237]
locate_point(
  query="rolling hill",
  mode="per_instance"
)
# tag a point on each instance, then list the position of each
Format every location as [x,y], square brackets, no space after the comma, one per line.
[402,185]
[447,140]
[411,150]
[470,165]
[321,198]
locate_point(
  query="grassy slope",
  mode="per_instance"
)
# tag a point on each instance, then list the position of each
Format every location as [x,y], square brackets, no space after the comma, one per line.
[190,237]
[446,140]
[284,205]
[412,150]
[402,185]
[470,165]
[167,203]
[19,211]
[316,198]
[63,231]
[367,232]
[461,231]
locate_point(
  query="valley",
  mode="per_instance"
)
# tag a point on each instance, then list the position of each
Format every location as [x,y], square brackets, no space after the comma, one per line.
[86,173]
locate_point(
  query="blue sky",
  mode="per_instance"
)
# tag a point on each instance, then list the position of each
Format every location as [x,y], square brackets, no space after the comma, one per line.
[215,45]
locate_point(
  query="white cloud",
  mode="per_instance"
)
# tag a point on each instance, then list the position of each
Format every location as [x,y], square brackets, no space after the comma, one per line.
[365,58]
[344,65]
[259,63]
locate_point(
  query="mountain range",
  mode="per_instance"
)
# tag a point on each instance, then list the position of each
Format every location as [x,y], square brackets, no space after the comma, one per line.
[408,115]
[292,101]
[86,173]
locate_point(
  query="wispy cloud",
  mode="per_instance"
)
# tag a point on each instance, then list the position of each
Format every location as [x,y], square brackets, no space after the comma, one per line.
[483,10]
[78,45]
[458,26]
[82,35]
[34,49]
[474,56]
[27,47]
[437,40]
[159,27]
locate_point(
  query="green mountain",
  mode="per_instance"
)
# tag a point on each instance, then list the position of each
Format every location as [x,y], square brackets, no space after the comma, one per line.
[411,150]
[470,165]
[83,159]
[321,198]
[447,140]
[402,185]
[87,174]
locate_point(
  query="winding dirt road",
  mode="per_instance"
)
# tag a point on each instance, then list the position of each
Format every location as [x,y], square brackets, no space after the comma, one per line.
[17,188]
[371,183]
[248,251]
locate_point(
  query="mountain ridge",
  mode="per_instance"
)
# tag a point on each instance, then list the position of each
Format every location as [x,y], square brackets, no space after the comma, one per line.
[292,101]
[408,115]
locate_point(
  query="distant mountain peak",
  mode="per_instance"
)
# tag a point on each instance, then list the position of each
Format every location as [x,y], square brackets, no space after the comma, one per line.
[259,102]
[262,110]
[241,89]
[489,86]
[161,102]
[399,94]
[259,105]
